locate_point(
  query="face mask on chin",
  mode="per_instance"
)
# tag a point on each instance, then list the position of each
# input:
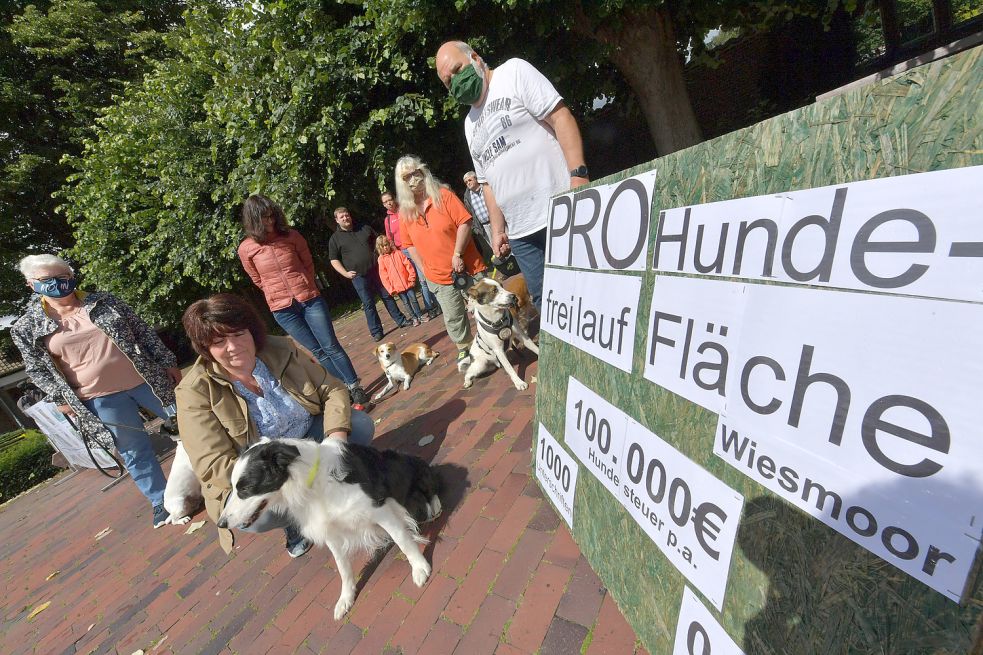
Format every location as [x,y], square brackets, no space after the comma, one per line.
[415,183]
[467,84]
[55,287]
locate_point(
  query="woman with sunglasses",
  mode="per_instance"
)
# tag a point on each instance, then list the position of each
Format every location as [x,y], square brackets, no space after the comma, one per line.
[94,357]
[436,228]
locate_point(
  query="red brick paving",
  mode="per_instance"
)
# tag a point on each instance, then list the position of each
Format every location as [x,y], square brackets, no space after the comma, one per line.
[507,579]
[612,634]
[538,606]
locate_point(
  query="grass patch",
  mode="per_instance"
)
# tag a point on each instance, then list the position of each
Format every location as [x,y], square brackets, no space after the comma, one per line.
[589,638]
[24,463]
[399,594]
[344,309]
[505,631]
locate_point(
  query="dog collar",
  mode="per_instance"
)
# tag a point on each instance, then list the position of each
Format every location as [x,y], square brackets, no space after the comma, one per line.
[502,327]
[312,474]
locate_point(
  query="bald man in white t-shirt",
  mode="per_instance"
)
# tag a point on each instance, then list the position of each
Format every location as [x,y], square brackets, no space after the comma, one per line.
[525,145]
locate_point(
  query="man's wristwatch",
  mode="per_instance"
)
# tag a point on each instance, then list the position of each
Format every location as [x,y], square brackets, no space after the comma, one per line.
[580,171]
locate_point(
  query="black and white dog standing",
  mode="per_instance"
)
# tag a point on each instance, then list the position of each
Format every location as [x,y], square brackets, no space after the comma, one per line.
[344,496]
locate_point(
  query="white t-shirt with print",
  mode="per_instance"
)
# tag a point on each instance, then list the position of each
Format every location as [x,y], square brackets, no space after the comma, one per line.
[514,150]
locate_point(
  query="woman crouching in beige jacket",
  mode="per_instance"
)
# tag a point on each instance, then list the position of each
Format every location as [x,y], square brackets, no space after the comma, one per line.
[246,385]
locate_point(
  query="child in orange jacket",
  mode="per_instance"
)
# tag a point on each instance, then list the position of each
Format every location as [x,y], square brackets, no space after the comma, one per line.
[398,276]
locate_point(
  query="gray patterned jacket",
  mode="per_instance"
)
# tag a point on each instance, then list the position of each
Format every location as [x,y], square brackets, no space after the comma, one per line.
[135,338]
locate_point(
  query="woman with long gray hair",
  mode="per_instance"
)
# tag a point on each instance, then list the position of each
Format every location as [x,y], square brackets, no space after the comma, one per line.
[99,362]
[436,228]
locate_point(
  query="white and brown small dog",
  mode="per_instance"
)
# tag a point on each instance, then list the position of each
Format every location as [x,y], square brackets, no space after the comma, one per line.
[498,313]
[400,370]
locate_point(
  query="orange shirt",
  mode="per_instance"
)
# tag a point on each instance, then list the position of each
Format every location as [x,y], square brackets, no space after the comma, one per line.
[434,235]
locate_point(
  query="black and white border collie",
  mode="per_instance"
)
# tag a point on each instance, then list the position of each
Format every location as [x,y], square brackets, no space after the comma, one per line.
[344,496]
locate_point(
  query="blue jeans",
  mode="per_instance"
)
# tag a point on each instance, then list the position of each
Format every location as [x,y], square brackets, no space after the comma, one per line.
[367,287]
[530,253]
[409,299]
[310,324]
[429,300]
[133,443]
[363,429]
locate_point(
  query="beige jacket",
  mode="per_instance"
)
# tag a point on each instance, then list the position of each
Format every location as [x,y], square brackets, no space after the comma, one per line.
[215,425]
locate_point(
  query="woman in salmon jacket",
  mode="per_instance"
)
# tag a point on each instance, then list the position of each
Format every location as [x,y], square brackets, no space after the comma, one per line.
[278,261]
[398,275]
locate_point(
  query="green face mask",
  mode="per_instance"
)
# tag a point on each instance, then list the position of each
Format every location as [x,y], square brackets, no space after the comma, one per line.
[466,85]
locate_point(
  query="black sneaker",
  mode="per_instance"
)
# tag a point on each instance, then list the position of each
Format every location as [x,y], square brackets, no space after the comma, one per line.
[378,338]
[160,516]
[169,427]
[358,395]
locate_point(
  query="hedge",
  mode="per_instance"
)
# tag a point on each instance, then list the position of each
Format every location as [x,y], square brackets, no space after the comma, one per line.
[25,464]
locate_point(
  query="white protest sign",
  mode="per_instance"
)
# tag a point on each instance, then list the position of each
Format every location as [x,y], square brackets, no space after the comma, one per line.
[915,234]
[687,512]
[698,633]
[602,227]
[556,471]
[595,312]
[676,320]
[858,408]
[863,410]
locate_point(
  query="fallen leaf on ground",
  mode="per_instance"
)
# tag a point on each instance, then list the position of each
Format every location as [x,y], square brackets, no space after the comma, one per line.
[52,575]
[159,643]
[194,527]
[37,610]
[103,533]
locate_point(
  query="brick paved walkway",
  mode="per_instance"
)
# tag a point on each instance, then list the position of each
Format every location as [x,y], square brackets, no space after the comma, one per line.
[507,577]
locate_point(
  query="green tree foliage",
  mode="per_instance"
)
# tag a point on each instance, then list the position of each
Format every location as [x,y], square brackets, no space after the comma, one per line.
[301,101]
[311,102]
[915,20]
[61,61]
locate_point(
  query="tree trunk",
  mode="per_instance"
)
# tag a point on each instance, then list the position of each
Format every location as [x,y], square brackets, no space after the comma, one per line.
[642,46]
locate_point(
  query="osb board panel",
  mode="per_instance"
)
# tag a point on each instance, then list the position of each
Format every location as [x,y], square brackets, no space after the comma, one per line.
[795,585]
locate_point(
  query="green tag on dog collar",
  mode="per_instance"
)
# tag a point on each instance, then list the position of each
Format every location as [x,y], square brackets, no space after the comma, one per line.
[312,475]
